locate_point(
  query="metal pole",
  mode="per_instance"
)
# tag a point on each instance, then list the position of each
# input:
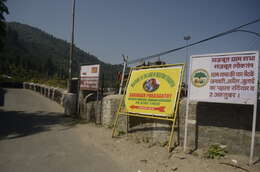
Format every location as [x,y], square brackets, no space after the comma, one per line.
[187,38]
[123,73]
[80,93]
[98,96]
[71,45]
[187,112]
[253,136]
[252,147]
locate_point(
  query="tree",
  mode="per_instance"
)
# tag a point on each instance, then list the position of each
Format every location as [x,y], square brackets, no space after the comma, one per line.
[3,11]
[49,67]
[200,75]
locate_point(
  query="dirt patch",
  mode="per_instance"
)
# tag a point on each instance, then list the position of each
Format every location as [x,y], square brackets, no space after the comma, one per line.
[141,156]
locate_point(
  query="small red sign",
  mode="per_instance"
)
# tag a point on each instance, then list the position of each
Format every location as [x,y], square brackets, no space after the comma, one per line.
[160,109]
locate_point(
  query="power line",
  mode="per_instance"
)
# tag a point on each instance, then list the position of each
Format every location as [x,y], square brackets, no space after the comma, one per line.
[189,45]
[248,31]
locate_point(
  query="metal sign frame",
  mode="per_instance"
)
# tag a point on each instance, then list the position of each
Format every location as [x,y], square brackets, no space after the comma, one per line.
[173,117]
[187,121]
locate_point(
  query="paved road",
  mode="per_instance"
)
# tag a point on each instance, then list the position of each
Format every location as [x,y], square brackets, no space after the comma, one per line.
[36,137]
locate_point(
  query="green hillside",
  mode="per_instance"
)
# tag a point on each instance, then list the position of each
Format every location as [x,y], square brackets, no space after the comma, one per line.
[31,53]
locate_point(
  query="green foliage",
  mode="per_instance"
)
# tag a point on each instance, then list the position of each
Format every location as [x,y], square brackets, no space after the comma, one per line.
[215,151]
[200,75]
[54,82]
[33,54]
[3,11]
[57,83]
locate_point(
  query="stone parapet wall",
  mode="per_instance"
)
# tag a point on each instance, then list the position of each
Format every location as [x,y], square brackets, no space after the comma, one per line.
[141,129]
[109,109]
[103,111]
[91,111]
[209,123]
[55,94]
[59,95]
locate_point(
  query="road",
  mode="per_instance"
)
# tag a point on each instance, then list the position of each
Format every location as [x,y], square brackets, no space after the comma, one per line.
[35,136]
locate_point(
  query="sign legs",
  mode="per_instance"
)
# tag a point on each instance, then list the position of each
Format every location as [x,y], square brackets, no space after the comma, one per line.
[253,136]
[171,136]
[115,124]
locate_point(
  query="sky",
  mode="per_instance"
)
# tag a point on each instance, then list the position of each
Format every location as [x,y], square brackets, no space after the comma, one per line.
[139,28]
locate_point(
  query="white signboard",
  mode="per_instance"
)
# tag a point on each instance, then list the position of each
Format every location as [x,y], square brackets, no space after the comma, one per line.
[89,77]
[224,78]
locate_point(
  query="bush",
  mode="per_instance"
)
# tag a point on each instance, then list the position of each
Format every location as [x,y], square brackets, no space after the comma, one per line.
[215,151]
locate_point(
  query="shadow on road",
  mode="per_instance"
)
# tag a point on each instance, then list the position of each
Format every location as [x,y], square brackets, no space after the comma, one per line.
[15,124]
[2,96]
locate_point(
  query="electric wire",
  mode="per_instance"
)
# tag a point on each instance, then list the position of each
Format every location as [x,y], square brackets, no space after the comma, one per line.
[198,42]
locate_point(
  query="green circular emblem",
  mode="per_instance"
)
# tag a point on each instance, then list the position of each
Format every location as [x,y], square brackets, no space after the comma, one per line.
[199,78]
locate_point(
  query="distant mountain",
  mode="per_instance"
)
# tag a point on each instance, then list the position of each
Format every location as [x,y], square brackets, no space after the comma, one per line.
[31,49]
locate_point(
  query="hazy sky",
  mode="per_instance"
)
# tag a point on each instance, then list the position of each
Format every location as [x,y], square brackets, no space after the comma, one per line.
[138,28]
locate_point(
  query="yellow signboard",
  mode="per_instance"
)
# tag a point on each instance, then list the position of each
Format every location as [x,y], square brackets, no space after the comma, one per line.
[153,91]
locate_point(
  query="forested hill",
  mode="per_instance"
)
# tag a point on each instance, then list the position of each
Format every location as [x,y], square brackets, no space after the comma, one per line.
[30,52]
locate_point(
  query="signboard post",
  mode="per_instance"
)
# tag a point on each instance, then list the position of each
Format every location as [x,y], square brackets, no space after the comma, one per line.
[89,79]
[152,92]
[224,78]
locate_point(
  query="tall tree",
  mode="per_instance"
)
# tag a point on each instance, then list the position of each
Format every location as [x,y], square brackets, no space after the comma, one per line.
[49,67]
[3,11]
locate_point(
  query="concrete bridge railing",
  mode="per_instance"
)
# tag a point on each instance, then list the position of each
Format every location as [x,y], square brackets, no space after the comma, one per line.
[212,123]
[55,94]
[59,95]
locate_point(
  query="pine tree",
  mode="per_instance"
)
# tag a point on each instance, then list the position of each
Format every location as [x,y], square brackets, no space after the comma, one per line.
[3,11]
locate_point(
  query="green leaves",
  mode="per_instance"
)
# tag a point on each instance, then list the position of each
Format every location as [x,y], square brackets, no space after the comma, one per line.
[216,151]
[200,75]
[40,55]
[3,11]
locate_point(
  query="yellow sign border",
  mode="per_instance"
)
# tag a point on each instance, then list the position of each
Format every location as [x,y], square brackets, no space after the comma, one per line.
[171,118]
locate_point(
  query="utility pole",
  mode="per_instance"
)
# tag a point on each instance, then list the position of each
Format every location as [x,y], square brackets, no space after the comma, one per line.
[71,46]
[123,73]
[187,38]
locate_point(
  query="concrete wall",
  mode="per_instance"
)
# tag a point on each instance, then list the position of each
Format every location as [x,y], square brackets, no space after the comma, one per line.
[109,109]
[227,124]
[141,129]
[103,111]
[67,100]
[209,123]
